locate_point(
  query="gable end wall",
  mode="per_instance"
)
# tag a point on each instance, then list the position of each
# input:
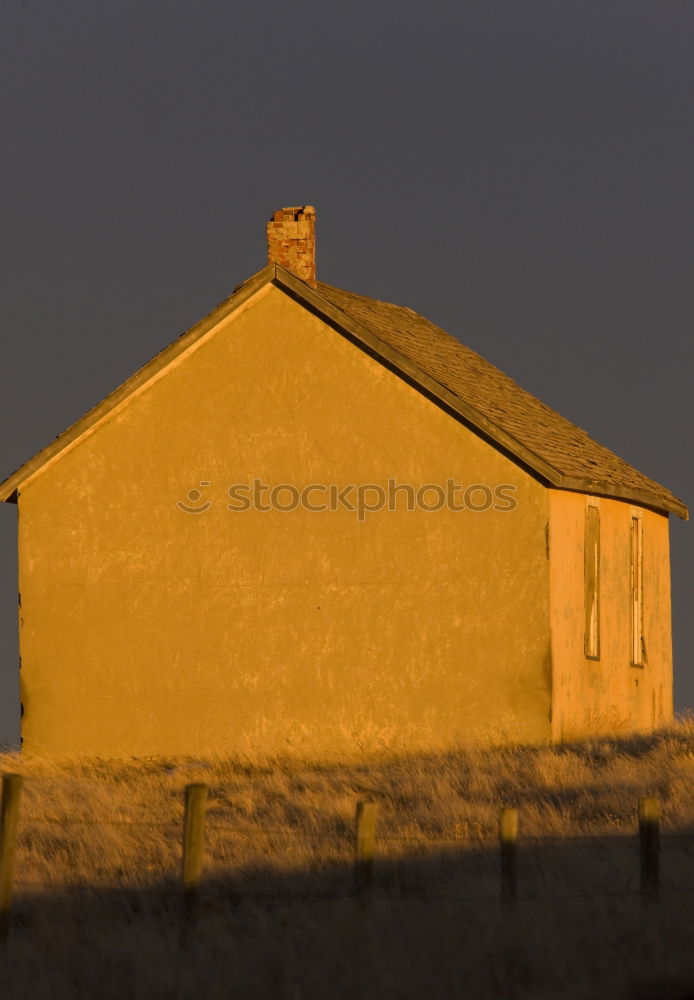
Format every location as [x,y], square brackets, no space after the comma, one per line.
[146,629]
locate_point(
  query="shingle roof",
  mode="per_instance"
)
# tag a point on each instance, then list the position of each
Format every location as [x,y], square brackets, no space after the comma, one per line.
[560,444]
[439,365]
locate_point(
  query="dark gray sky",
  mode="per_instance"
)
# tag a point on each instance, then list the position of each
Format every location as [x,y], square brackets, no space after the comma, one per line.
[519,171]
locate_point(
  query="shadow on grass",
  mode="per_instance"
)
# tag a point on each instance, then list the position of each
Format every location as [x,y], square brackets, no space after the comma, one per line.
[430,926]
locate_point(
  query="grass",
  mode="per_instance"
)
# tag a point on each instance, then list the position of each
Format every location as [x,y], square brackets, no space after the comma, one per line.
[97,908]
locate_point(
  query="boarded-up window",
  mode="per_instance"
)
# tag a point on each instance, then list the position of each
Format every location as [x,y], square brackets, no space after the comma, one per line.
[637,642]
[591,576]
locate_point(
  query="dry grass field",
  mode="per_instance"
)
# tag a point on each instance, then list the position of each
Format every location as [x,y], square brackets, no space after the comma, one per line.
[97,910]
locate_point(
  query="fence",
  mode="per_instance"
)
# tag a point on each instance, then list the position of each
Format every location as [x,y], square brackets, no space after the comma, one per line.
[193,840]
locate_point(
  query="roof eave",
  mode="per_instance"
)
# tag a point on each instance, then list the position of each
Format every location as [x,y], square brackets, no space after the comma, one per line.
[10,487]
[412,372]
[642,498]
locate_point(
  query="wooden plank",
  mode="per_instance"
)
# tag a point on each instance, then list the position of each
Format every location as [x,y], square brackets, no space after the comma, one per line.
[591,582]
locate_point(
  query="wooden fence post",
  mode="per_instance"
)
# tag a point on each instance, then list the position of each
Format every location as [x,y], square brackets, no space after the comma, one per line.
[9,815]
[649,840]
[508,844]
[193,845]
[365,838]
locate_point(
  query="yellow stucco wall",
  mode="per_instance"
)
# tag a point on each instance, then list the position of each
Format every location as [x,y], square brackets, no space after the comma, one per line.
[608,695]
[145,629]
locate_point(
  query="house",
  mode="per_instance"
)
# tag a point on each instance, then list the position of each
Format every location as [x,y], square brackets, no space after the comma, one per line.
[317,523]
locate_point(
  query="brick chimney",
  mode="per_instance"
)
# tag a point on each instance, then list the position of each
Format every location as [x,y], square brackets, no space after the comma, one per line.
[291,241]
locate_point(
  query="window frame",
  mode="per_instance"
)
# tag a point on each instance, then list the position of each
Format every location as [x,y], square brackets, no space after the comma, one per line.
[637,653]
[591,581]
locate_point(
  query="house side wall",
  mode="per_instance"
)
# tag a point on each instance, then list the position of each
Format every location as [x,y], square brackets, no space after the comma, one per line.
[147,629]
[608,695]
